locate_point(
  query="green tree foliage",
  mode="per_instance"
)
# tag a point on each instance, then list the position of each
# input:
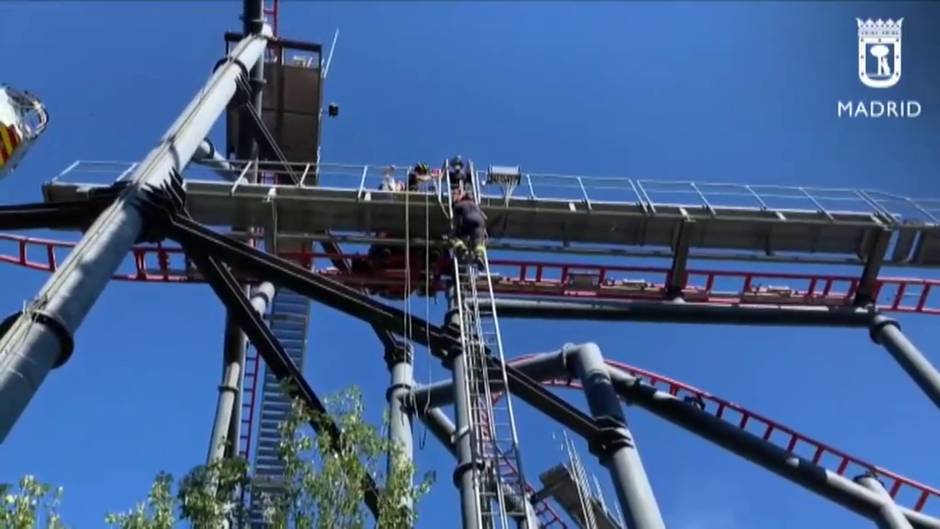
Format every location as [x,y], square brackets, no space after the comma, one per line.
[156,513]
[31,504]
[323,484]
[325,477]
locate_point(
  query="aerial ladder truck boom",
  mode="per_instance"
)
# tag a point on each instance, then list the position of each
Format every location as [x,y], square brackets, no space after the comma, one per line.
[23,119]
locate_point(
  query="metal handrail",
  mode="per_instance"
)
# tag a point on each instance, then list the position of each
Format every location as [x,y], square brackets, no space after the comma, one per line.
[649,195]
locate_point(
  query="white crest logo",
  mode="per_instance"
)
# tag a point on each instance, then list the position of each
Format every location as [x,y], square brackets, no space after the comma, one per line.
[879,52]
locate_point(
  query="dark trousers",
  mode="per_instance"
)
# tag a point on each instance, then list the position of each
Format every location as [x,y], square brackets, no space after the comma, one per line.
[471,227]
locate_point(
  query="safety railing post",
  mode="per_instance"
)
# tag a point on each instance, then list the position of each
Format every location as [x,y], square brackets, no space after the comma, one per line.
[584,193]
[362,182]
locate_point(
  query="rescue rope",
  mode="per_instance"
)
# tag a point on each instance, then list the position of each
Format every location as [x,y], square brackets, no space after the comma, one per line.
[427,308]
[407,293]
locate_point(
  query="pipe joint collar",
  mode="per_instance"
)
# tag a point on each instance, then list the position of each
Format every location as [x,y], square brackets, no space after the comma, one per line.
[55,325]
[394,388]
[611,435]
[463,468]
[878,322]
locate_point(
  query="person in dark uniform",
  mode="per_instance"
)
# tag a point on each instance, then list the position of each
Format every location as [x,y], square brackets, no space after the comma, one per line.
[418,174]
[459,173]
[469,227]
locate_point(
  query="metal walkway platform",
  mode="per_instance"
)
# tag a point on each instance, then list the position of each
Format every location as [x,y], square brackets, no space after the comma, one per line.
[762,220]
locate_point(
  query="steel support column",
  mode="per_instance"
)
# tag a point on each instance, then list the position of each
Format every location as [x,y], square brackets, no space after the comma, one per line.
[468,468]
[225,428]
[886,331]
[616,447]
[236,343]
[39,338]
[399,361]
[891,516]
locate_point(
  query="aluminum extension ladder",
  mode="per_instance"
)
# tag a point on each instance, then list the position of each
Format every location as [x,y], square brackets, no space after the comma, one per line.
[493,435]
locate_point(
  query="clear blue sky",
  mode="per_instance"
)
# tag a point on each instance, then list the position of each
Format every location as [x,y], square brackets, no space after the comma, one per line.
[720,92]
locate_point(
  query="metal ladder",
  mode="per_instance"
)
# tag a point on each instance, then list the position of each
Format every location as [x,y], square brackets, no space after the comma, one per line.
[289,319]
[585,496]
[493,435]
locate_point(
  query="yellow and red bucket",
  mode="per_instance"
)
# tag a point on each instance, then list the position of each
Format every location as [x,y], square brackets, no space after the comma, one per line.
[23,118]
[10,139]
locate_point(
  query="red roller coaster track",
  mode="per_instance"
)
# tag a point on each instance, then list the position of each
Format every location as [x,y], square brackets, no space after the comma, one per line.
[156,263]
[899,487]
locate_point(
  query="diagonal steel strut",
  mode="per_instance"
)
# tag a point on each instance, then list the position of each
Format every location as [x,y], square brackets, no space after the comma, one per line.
[324,290]
[353,302]
[40,338]
[227,288]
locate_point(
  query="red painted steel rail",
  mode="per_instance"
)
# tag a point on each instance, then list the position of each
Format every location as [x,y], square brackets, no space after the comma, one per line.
[157,263]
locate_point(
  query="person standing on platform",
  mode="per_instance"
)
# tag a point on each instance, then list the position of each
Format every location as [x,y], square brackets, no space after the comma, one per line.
[459,174]
[418,174]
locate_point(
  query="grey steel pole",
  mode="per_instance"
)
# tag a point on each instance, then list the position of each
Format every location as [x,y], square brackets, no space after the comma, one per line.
[617,449]
[440,425]
[891,516]
[221,439]
[886,331]
[399,362]
[252,24]
[207,155]
[235,342]
[442,393]
[40,338]
[468,467]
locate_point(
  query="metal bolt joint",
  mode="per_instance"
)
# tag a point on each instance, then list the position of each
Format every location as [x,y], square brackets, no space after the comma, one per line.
[158,204]
[228,388]
[405,388]
[612,435]
[465,467]
[397,355]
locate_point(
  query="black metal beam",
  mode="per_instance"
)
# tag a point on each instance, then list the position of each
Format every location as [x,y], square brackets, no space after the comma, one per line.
[865,293]
[324,290]
[335,253]
[677,278]
[533,394]
[279,43]
[61,215]
[229,291]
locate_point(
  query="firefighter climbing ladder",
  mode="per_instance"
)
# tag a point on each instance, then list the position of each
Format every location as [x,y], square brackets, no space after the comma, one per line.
[494,440]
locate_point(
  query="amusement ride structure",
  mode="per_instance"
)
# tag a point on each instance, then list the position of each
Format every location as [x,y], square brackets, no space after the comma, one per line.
[281,215]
